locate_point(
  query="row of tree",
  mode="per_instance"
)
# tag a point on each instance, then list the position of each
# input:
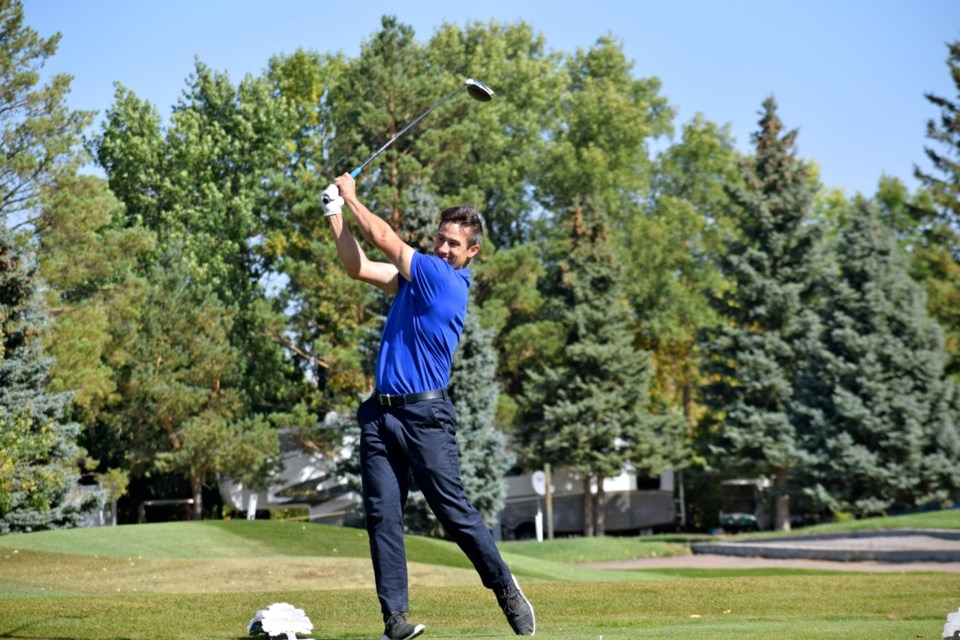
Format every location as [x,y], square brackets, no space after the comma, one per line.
[693,308]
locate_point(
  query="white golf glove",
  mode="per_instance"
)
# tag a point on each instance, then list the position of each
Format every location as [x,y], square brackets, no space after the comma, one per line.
[332,202]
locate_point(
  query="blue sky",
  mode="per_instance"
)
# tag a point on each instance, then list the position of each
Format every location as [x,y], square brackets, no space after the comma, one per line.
[849,74]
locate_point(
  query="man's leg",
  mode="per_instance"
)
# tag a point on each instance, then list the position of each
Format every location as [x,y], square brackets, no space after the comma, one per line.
[430,436]
[384,475]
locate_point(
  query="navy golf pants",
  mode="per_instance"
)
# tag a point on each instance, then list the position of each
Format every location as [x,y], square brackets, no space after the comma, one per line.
[417,439]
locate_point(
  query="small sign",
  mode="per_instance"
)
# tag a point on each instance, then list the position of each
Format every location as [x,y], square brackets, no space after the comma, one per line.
[539,482]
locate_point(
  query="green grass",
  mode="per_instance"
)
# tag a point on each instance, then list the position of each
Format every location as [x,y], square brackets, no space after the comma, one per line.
[946,519]
[597,549]
[206,579]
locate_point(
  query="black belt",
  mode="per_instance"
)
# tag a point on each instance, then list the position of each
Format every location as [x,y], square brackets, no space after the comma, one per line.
[400,400]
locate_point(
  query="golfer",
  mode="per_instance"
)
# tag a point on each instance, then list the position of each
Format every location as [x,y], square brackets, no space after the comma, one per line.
[408,426]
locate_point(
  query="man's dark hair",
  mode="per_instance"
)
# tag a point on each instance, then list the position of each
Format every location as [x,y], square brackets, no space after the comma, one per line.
[466,215]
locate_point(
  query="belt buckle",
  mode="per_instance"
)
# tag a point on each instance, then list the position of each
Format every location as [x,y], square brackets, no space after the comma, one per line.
[388,398]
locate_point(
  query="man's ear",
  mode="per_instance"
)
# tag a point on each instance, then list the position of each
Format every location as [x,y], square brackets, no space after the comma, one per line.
[472,251]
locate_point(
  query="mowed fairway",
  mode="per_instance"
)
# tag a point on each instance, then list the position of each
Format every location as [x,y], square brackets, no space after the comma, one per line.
[206,580]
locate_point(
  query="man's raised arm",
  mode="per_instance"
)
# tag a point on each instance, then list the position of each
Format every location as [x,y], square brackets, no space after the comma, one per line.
[375,229]
[382,275]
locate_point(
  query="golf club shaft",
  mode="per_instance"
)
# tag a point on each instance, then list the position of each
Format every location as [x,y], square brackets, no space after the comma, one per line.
[357,171]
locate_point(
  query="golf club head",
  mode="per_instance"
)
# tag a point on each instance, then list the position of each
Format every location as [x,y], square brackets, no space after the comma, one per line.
[478,90]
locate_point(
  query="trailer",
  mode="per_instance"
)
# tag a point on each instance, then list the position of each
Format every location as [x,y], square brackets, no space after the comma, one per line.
[634,505]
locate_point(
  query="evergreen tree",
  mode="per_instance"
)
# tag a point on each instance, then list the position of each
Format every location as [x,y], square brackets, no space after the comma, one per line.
[328,315]
[868,401]
[184,408]
[753,356]
[938,257]
[88,263]
[945,186]
[941,474]
[484,460]
[509,300]
[41,136]
[39,461]
[588,409]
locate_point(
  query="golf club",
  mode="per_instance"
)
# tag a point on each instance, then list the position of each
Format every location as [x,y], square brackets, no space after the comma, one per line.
[477,91]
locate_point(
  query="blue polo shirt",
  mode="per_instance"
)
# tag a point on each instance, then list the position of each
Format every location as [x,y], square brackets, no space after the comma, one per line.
[423,327]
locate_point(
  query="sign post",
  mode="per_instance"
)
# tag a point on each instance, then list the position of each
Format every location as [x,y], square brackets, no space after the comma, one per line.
[539,482]
[548,482]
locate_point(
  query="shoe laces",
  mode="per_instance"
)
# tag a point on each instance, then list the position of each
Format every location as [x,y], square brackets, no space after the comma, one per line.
[513,602]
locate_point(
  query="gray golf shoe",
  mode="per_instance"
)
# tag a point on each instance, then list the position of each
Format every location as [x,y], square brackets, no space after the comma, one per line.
[397,628]
[517,609]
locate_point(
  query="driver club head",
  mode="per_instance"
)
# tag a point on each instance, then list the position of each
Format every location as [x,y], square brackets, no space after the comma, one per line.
[478,90]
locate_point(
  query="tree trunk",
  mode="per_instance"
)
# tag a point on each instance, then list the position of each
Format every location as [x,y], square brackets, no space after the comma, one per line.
[781,512]
[196,484]
[681,490]
[587,508]
[601,508]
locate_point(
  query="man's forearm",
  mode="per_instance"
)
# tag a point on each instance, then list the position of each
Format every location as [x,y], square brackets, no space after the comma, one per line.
[373,228]
[349,251]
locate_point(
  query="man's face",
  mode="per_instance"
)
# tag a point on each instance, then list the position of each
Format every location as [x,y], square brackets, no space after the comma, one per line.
[451,245]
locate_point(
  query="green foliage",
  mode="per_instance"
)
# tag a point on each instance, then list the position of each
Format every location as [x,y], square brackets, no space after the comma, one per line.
[41,136]
[938,259]
[258,328]
[766,317]
[489,154]
[89,266]
[869,400]
[115,483]
[181,365]
[598,146]
[945,134]
[509,301]
[184,409]
[39,462]
[667,250]
[213,445]
[329,316]
[587,409]
[202,185]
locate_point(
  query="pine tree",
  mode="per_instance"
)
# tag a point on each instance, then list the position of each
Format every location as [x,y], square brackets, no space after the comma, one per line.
[184,410]
[870,395]
[946,134]
[588,409]
[88,266]
[938,258]
[41,136]
[754,354]
[38,465]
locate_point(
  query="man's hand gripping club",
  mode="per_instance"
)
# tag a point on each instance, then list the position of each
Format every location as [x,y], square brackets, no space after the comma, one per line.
[375,230]
[332,202]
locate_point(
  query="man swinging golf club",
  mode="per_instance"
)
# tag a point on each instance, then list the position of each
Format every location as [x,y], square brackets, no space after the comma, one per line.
[408,425]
